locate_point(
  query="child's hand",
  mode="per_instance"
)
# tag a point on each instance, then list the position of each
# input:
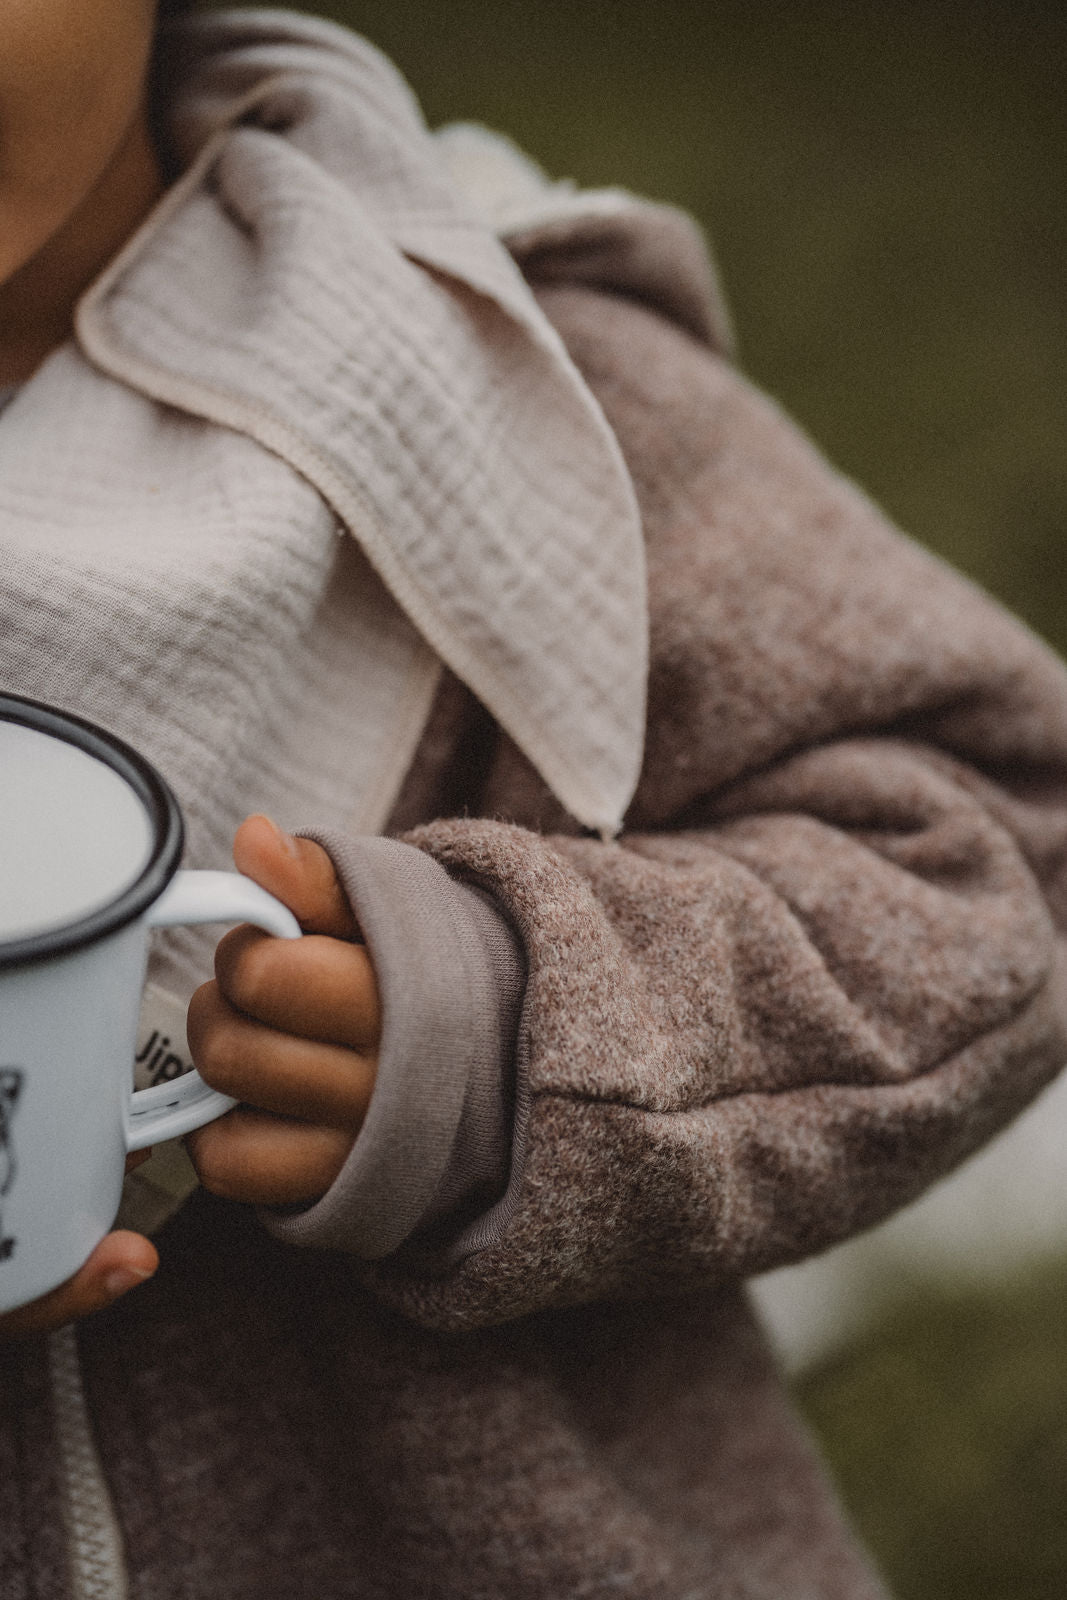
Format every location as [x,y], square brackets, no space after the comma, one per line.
[120,1262]
[290,1028]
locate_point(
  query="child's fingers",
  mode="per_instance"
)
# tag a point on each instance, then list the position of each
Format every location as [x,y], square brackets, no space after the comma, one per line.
[279,1072]
[319,987]
[261,1160]
[298,872]
[119,1262]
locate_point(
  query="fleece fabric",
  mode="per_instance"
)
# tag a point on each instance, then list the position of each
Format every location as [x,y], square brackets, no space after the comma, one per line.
[822,965]
[822,961]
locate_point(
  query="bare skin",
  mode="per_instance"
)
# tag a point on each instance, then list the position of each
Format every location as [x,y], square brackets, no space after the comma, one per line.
[78,172]
[293,1030]
[78,169]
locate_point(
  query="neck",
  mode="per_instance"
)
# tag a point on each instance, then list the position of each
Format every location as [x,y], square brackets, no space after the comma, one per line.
[37,302]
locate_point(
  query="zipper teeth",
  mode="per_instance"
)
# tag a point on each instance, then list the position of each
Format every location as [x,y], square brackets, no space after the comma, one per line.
[94,1542]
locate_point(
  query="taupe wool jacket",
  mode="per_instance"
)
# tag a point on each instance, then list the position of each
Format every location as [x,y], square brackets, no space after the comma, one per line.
[820,964]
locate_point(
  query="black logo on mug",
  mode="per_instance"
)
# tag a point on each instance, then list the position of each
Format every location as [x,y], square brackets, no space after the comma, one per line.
[10,1088]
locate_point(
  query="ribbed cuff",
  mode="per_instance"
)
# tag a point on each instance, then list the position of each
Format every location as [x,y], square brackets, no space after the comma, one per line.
[436,1142]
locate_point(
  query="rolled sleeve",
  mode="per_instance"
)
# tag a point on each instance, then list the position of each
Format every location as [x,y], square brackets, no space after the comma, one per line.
[437,1141]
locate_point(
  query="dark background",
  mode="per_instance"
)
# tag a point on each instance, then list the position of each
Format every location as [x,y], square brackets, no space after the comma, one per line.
[884,186]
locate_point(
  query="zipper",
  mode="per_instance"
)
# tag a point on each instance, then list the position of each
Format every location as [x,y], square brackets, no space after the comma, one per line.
[94,1542]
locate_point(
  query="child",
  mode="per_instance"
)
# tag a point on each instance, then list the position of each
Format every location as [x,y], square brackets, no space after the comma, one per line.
[457,1309]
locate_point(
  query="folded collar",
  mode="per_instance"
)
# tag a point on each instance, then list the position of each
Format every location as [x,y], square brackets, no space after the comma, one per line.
[317,281]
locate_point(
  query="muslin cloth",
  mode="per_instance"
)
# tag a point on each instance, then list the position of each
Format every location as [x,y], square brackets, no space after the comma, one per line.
[317,332]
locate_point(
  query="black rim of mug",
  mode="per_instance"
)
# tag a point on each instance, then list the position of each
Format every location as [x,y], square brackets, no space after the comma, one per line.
[164,817]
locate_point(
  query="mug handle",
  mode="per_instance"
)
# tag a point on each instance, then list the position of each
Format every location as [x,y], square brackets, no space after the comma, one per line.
[170,1109]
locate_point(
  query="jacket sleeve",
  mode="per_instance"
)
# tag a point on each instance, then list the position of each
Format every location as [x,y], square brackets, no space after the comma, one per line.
[824,962]
[435,1150]
[745,1042]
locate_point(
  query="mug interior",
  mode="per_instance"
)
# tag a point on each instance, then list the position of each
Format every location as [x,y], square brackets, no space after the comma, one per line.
[90,834]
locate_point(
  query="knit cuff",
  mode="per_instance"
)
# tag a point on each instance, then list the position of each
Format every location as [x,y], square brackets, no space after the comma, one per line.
[435,1148]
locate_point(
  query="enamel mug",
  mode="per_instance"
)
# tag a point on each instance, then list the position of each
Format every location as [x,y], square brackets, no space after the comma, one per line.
[90,840]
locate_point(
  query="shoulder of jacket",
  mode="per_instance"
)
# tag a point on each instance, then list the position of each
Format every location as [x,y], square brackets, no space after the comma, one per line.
[602,238]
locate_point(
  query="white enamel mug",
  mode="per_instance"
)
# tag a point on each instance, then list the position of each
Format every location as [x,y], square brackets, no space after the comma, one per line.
[90,840]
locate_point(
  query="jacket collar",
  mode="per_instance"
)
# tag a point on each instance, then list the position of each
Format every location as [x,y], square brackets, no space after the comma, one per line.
[317,281]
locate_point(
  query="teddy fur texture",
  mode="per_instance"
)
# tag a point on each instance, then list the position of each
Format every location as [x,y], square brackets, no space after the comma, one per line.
[818,968]
[823,963]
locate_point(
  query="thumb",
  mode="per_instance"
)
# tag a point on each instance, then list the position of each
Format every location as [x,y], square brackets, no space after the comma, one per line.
[119,1262]
[298,872]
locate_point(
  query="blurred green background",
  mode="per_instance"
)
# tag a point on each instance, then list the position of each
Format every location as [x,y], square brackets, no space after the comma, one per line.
[885,190]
